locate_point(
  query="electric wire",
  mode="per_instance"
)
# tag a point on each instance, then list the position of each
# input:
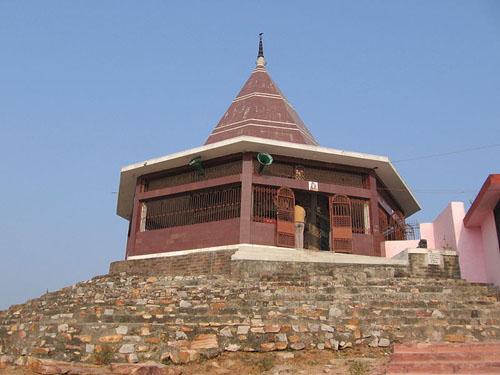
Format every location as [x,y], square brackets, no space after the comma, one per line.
[448,153]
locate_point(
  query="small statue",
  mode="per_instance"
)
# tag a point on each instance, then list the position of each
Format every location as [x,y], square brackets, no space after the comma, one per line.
[422,244]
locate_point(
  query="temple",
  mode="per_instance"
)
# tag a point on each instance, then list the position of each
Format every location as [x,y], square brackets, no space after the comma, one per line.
[241,186]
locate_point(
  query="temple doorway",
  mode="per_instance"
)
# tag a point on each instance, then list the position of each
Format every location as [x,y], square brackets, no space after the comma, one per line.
[317,228]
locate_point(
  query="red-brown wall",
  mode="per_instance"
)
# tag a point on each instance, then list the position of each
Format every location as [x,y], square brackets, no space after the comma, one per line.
[362,244]
[263,234]
[217,233]
[243,229]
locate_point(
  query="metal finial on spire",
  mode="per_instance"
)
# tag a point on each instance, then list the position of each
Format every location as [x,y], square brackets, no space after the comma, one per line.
[261,47]
[260,57]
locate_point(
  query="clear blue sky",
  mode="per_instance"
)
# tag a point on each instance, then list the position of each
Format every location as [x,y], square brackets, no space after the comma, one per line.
[87,87]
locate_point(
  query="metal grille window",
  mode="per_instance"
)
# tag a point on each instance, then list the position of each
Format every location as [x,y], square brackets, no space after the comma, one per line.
[325,175]
[360,215]
[264,204]
[201,206]
[393,227]
[386,195]
[229,168]
[341,221]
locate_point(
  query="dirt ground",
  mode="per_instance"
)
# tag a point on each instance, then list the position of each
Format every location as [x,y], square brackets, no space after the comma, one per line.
[348,362]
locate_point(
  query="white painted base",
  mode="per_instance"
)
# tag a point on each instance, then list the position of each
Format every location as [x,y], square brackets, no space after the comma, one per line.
[282,254]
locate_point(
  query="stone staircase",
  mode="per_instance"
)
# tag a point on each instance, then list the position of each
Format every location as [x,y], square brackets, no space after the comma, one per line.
[469,358]
[179,319]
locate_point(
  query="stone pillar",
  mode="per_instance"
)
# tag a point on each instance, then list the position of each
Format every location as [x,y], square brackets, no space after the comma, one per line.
[442,264]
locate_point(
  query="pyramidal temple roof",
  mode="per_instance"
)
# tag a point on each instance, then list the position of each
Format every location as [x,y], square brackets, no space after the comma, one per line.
[261,110]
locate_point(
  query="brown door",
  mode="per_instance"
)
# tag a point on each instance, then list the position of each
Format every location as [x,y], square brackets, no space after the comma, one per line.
[285,224]
[340,211]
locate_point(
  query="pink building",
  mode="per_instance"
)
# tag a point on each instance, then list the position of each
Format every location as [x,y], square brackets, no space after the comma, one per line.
[482,222]
[474,235]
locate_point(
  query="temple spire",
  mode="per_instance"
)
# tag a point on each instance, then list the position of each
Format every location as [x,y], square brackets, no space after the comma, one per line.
[261,110]
[260,56]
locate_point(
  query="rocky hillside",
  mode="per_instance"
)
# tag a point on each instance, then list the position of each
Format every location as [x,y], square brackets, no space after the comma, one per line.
[131,318]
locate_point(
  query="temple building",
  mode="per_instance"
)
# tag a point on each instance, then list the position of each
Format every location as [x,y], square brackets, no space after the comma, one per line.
[241,186]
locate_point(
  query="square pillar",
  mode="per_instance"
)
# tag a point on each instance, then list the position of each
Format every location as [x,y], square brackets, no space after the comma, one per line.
[135,219]
[374,223]
[246,198]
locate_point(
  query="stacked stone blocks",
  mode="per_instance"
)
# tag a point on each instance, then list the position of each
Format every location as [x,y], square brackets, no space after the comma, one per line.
[178,319]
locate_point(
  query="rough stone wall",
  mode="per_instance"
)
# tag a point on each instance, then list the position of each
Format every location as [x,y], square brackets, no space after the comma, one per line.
[418,266]
[268,270]
[451,267]
[220,263]
[201,263]
[182,318]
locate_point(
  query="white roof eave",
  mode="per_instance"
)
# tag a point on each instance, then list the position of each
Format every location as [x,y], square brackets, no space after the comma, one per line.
[382,165]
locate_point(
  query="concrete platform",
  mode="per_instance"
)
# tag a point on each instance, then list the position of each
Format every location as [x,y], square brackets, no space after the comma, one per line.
[281,254]
[247,260]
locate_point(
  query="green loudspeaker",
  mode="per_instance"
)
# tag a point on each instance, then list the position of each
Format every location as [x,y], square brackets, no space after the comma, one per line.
[264,160]
[196,163]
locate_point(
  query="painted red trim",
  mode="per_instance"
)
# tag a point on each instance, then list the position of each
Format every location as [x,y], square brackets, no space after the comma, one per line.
[490,184]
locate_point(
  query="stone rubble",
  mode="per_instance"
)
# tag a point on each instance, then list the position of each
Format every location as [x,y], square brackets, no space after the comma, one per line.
[180,319]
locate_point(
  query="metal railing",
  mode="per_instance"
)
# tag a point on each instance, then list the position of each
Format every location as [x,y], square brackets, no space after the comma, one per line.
[360,215]
[228,168]
[325,175]
[264,203]
[394,228]
[201,206]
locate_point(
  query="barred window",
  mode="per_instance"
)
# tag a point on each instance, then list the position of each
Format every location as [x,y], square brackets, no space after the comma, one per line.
[264,203]
[360,215]
[325,175]
[393,227]
[222,169]
[200,206]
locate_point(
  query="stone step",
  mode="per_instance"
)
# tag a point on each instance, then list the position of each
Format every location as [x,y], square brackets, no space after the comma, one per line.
[482,347]
[398,282]
[380,302]
[254,301]
[381,287]
[373,301]
[424,284]
[430,285]
[408,308]
[407,328]
[440,367]
[376,300]
[445,358]
[373,312]
[374,293]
